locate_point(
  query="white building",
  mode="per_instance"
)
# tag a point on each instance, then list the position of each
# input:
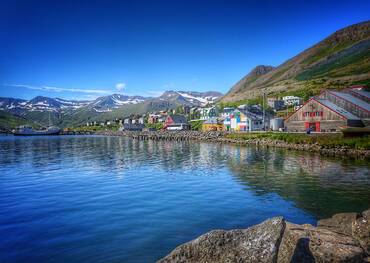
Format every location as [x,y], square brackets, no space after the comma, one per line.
[292,100]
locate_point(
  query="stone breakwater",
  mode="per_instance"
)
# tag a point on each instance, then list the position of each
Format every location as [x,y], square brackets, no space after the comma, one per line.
[220,137]
[343,238]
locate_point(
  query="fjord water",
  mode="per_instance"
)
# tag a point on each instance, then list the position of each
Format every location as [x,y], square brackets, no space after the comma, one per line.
[113,199]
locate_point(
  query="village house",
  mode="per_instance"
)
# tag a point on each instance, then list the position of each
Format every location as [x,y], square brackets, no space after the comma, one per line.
[226,112]
[321,115]
[132,127]
[360,92]
[153,118]
[157,117]
[213,124]
[275,103]
[176,122]
[292,101]
[353,101]
[208,113]
[245,119]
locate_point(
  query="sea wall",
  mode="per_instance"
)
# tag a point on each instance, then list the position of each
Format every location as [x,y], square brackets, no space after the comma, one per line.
[343,238]
[220,137]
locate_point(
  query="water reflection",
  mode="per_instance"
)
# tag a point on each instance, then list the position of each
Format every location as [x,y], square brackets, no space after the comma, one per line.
[322,186]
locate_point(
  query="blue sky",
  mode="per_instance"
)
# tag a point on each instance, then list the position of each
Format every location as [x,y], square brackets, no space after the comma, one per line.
[85,49]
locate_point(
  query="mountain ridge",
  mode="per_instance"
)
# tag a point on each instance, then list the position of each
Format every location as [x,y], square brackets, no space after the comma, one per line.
[338,60]
[65,112]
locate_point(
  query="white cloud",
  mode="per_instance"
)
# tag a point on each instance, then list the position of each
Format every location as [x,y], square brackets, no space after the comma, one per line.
[120,86]
[56,89]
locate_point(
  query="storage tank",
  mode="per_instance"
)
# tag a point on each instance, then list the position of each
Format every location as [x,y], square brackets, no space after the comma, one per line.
[276,124]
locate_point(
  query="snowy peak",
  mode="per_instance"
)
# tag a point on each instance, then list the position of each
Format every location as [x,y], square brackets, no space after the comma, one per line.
[191,98]
[107,103]
[11,103]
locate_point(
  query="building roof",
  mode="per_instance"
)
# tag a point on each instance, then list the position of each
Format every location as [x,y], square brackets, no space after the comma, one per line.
[361,92]
[251,115]
[212,121]
[336,109]
[178,119]
[352,99]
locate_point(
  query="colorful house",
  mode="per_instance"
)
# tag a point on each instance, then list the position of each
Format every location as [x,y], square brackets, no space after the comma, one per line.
[214,124]
[244,120]
[176,122]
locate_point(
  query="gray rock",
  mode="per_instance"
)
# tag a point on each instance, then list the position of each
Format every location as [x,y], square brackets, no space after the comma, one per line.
[305,243]
[341,223]
[259,243]
[361,230]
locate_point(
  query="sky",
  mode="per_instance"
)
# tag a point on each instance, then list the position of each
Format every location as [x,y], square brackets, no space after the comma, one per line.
[85,49]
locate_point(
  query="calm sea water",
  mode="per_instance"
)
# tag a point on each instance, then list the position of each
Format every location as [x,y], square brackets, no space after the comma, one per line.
[111,199]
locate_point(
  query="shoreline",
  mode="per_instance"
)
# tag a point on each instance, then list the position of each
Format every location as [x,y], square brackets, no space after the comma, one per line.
[220,137]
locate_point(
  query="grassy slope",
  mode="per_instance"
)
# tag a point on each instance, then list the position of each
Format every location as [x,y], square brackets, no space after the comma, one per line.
[9,121]
[340,60]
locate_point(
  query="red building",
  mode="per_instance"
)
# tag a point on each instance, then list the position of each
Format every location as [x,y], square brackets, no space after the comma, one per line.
[321,115]
[176,122]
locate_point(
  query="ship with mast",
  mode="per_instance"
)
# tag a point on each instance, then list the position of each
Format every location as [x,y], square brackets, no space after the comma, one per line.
[26,130]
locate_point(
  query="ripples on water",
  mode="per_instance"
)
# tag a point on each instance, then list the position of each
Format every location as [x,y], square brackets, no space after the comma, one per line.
[111,199]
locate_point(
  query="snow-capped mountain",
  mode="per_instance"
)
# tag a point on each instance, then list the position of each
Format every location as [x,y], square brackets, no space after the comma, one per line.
[191,98]
[9,104]
[39,103]
[115,101]
[72,112]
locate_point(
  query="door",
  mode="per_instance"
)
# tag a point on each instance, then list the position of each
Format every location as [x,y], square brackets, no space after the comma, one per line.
[312,126]
[318,126]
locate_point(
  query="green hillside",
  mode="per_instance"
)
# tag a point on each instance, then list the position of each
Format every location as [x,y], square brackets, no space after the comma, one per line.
[338,61]
[9,121]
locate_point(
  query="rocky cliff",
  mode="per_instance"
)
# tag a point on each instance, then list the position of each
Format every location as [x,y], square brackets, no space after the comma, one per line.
[343,238]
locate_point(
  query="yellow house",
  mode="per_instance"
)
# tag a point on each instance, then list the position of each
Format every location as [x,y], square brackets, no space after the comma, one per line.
[212,125]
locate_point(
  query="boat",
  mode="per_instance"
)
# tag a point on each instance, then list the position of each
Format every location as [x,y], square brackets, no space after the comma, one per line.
[29,131]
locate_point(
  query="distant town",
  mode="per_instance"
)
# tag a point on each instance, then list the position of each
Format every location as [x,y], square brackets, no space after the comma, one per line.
[328,112]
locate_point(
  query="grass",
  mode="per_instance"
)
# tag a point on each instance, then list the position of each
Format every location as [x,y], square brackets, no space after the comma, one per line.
[327,50]
[356,56]
[196,125]
[113,127]
[9,121]
[324,140]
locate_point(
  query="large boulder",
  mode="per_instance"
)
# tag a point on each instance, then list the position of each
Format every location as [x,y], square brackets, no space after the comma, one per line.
[305,243]
[361,230]
[341,223]
[259,243]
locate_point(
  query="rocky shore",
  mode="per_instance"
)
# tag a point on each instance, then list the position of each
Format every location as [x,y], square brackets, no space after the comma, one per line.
[343,238]
[220,137]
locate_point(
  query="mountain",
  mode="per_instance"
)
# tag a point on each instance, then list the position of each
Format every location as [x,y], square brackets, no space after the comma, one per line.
[339,60]
[67,113]
[9,121]
[115,101]
[190,98]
